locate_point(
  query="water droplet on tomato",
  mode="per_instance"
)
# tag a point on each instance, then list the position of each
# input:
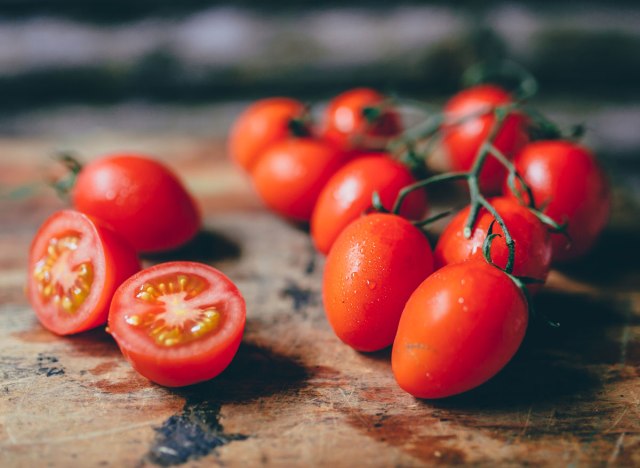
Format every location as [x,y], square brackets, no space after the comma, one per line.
[371,284]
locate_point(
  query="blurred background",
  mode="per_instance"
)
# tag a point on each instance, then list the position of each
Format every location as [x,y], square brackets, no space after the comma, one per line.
[72,67]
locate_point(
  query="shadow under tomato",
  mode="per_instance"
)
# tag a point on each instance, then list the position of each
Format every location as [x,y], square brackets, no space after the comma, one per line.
[206,246]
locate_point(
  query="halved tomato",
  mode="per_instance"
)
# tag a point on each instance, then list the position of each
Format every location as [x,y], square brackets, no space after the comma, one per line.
[178,323]
[75,266]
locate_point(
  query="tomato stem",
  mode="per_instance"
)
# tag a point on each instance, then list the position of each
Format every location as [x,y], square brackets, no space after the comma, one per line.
[64,185]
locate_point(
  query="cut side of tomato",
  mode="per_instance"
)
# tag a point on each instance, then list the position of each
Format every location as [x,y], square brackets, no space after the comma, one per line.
[178,323]
[75,266]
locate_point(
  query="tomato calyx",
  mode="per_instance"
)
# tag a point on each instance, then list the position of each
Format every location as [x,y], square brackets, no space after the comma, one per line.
[300,126]
[63,185]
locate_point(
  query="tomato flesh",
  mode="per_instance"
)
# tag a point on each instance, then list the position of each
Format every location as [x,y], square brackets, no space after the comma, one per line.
[75,266]
[178,323]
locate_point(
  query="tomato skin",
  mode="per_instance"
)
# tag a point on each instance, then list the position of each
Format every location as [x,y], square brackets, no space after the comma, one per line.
[140,198]
[458,329]
[568,184]
[348,194]
[462,140]
[374,266]
[291,174]
[188,363]
[262,124]
[113,260]
[343,123]
[531,237]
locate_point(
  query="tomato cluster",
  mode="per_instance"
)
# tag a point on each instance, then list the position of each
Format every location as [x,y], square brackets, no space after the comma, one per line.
[457,314]
[177,323]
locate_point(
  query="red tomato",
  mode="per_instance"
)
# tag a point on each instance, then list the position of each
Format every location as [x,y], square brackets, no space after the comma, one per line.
[140,198]
[345,125]
[374,266]
[568,185]
[290,175]
[178,323]
[463,140]
[532,240]
[263,123]
[458,329]
[75,266]
[348,194]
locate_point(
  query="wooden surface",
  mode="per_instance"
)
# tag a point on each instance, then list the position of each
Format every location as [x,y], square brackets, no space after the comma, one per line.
[295,395]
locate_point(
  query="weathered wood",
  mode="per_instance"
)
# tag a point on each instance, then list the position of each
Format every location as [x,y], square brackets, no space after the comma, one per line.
[295,395]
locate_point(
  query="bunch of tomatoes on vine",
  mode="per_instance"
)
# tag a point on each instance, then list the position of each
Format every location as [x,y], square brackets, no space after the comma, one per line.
[454,313]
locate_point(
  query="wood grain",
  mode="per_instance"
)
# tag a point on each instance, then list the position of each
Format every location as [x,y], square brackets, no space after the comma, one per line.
[295,395]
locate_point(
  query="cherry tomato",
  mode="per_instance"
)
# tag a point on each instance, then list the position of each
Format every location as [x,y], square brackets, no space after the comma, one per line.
[532,240]
[140,198]
[290,175]
[263,123]
[345,125]
[458,329]
[568,185]
[462,140]
[178,323]
[348,194]
[374,266]
[75,266]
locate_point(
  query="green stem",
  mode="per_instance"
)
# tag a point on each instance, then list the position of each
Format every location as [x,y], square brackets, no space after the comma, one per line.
[422,184]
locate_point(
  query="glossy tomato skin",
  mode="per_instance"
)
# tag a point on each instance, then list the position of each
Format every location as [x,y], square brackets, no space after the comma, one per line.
[291,174]
[140,198]
[111,259]
[532,240]
[262,124]
[568,184]
[374,266]
[348,194]
[344,124]
[462,140]
[190,362]
[458,329]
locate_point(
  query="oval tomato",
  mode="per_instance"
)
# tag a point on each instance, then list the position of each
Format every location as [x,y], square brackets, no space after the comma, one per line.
[531,237]
[263,123]
[462,139]
[291,174]
[568,185]
[348,194]
[75,266]
[345,125]
[374,266]
[140,198]
[458,329]
[178,323]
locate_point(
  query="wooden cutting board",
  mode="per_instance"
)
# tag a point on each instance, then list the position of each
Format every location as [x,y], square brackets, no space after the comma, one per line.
[295,395]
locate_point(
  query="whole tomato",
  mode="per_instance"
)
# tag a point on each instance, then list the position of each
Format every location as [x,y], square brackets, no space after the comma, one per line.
[458,329]
[140,198]
[374,266]
[290,175]
[263,123]
[463,134]
[345,125]
[348,194]
[532,240]
[568,185]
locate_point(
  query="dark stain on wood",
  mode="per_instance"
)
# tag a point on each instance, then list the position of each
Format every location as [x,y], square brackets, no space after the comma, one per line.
[104,367]
[301,297]
[206,246]
[48,365]
[190,435]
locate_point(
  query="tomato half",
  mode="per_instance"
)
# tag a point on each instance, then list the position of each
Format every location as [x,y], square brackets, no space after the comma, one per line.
[462,139]
[178,323]
[75,266]
[291,174]
[263,123]
[348,194]
[568,185]
[531,237]
[458,329]
[141,198]
[345,125]
[374,266]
